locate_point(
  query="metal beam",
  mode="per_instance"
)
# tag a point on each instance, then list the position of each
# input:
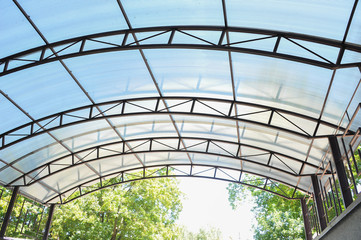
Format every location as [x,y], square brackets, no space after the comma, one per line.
[69,44]
[48,222]
[318,201]
[342,50]
[341,171]
[151,74]
[306,219]
[176,170]
[73,117]
[102,151]
[230,63]
[8,212]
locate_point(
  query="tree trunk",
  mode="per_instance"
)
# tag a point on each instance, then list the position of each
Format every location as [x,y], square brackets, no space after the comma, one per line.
[115,229]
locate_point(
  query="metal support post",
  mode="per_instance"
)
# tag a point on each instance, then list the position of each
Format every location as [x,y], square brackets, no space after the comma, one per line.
[341,172]
[318,200]
[306,220]
[8,212]
[48,223]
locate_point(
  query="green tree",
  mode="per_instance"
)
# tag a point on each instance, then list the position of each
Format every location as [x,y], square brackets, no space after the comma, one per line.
[136,210]
[209,233]
[277,218]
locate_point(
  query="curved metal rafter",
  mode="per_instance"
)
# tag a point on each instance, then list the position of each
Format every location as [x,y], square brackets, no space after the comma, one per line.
[182,106]
[207,146]
[75,47]
[228,174]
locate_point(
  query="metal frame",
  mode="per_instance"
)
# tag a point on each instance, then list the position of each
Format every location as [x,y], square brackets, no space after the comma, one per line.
[48,222]
[306,219]
[231,72]
[26,217]
[8,212]
[228,174]
[341,172]
[44,54]
[119,109]
[319,203]
[154,145]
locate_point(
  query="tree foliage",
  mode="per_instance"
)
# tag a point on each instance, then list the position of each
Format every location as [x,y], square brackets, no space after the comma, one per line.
[277,218]
[137,210]
[209,233]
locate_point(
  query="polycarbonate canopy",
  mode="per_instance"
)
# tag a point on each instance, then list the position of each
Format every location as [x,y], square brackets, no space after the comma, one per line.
[93,90]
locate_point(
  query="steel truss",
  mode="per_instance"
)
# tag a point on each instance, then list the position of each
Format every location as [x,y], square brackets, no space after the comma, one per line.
[293,123]
[261,182]
[78,46]
[164,144]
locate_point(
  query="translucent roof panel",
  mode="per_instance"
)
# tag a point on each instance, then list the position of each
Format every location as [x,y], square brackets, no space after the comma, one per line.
[64,180]
[18,118]
[160,13]
[347,80]
[277,141]
[44,90]
[155,126]
[321,18]
[94,17]
[319,148]
[113,75]
[191,72]
[355,104]
[14,30]
[90,90]
[206,127]
[22,149]
[27,162]
[311,50]
[90,134]
[279,83]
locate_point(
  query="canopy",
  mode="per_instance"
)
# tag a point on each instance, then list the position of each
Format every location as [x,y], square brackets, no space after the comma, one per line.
[94,92]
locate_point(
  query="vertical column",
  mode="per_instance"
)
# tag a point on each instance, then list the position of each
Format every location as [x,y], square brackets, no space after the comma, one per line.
[318,200]
[341,172]
[48,223]
[8,212]
[306,220]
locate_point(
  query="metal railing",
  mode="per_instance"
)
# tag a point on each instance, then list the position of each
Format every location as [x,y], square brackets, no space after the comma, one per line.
[331,193]
[27,219]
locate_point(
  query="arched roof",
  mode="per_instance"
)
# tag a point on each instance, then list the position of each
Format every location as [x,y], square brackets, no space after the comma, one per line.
[95,90]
